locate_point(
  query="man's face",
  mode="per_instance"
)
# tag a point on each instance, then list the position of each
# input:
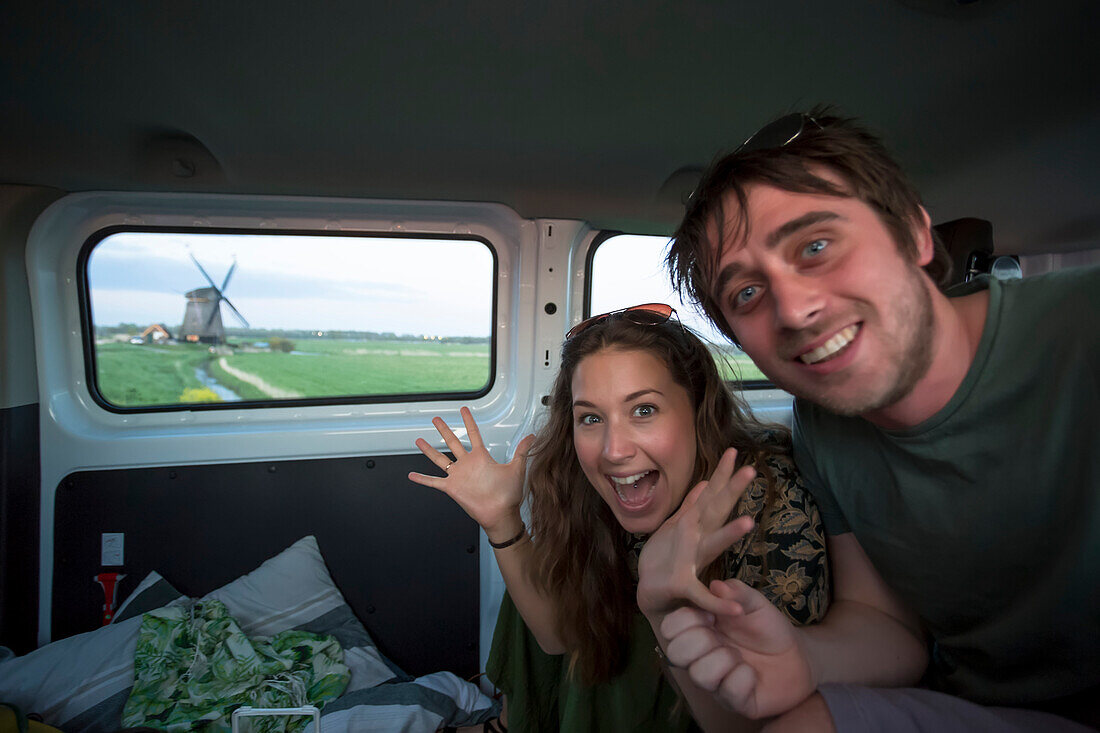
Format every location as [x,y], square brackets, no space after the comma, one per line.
[823,301]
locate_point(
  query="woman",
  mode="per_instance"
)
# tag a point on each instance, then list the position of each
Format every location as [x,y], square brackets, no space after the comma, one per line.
[638,416]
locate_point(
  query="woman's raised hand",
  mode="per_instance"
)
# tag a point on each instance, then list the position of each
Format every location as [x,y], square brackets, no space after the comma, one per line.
[689,540]
[490,492]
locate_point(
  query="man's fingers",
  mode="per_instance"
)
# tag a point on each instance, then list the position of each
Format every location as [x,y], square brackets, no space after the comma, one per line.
[707,601]
[712,668]
[683,619]
[723,589]
[737,691]
[734,590]
[692,644]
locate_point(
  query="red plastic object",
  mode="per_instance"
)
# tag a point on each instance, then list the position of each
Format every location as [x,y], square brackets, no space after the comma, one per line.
[108,581]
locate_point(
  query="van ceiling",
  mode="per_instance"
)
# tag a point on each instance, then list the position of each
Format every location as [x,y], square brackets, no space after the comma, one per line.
[578,110]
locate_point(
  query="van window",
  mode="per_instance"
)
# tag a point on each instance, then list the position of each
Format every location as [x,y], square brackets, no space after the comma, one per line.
[628,269]
[201,319]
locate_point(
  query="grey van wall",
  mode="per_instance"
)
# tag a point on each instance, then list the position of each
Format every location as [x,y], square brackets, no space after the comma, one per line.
[19,450]
[404,556]
[19,207]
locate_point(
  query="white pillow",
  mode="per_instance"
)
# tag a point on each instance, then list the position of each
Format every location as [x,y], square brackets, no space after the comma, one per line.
[83,676]
[290,589]
[82,682]
[152,592]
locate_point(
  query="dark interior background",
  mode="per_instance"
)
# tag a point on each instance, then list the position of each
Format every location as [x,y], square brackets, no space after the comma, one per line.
[404,556]
[20,497]
[558,109]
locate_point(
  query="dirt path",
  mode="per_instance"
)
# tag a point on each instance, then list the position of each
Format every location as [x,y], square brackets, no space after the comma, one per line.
[279,394]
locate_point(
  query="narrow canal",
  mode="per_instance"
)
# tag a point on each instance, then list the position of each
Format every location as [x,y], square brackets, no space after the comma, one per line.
[220,390]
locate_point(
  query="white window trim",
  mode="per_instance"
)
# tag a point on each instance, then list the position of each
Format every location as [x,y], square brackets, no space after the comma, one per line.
[77,434]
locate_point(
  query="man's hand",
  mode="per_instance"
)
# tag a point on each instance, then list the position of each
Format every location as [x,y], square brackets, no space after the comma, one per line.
[753,659]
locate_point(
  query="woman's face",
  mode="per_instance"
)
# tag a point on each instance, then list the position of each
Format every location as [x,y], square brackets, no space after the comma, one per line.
[634,433]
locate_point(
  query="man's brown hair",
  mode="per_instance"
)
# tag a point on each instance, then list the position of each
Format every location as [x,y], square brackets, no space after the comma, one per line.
[837,144]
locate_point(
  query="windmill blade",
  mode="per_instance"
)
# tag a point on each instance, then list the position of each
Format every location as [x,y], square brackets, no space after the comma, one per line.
[208,278]
[228,275]
[236,312]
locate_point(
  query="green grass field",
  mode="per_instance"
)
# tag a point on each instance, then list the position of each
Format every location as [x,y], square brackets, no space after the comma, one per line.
[131,376]
[734,366]
[149,375]
[333,368]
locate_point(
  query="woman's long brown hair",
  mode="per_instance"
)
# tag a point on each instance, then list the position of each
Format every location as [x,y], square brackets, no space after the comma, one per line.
[579,548]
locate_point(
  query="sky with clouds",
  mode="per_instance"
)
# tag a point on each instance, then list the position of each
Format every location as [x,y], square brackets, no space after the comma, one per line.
[301,282]
[345,283]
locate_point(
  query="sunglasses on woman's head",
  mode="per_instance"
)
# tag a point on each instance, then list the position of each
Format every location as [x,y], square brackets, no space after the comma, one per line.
[647,314]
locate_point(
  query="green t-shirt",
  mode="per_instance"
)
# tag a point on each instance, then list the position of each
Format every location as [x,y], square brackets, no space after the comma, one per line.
[985,518]
[543,697]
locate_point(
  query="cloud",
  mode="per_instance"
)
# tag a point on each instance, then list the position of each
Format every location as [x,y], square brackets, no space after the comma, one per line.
[436,287]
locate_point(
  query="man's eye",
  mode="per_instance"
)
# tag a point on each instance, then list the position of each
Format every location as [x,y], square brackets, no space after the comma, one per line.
[814,248]
[744,295]
[644,410]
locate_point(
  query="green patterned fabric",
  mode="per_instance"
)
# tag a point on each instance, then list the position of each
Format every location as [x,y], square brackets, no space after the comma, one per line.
[194,666]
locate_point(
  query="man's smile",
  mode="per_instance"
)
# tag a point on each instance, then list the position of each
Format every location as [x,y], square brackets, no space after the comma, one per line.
[832,347]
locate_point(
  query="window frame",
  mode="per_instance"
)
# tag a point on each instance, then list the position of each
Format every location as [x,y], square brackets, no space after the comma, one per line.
[87,327]
[77,434]
[746,385]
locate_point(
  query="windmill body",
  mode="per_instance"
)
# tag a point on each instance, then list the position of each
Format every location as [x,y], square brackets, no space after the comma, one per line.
[202,320]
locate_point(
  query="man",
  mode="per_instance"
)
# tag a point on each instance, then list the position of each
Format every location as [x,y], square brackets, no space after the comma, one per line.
[951,443]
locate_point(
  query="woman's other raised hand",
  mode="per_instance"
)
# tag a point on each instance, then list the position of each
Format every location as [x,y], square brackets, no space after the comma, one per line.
[691,539]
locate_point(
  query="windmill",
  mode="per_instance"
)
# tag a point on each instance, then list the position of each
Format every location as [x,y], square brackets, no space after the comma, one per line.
[202,321]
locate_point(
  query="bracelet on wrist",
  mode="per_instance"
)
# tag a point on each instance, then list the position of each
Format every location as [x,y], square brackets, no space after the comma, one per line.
[514,540]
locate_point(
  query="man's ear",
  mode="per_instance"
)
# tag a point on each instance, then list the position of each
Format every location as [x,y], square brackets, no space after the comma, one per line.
[922,238]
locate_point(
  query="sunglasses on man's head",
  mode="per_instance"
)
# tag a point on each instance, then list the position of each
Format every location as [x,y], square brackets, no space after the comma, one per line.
[778,133]
[647,314]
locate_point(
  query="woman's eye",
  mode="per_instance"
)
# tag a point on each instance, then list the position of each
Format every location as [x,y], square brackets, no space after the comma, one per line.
[644,410]
[814,248]
[588,419]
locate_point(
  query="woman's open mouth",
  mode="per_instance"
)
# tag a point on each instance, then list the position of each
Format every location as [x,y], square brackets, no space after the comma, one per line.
[634,491]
